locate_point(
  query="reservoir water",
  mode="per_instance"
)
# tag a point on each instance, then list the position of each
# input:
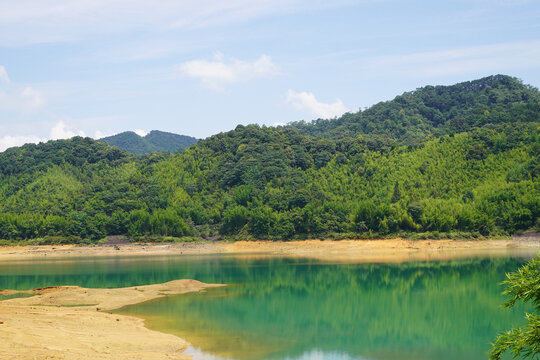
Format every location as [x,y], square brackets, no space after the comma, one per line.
[279,308]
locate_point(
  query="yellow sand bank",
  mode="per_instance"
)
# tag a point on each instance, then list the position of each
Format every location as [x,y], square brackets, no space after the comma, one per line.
[71,322]
[396,250]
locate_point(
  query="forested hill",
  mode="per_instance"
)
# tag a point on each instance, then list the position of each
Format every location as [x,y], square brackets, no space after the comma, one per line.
[435,111]
[154,141]
[297,181]
[31,159]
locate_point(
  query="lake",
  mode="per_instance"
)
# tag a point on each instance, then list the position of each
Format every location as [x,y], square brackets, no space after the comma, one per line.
[280,308]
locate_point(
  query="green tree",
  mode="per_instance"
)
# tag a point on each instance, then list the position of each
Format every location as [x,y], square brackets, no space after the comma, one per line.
[396,196]
[261,221]
[234,219]
[523,285]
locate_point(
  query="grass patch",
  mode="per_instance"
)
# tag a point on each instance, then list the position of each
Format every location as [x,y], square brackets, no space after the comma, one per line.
[66,305]
[48,240]
[77,305]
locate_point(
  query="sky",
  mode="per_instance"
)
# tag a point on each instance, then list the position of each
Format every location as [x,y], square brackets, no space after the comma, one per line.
[199,67]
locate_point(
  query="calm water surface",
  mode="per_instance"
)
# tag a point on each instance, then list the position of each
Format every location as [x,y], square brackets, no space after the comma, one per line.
[278,308]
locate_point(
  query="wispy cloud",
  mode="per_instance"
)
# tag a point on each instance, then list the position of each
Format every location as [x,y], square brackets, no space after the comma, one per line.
[4,75]
[34,21]
[31,99]
[24,99]
[219,71]
[483,58]
[307,101]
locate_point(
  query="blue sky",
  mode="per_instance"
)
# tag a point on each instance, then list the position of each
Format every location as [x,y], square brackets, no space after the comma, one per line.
[99,67]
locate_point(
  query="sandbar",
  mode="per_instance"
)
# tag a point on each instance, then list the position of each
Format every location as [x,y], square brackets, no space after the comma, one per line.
[72,322]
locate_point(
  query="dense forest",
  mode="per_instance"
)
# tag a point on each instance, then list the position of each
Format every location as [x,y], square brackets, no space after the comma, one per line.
[440,161]
[154,141]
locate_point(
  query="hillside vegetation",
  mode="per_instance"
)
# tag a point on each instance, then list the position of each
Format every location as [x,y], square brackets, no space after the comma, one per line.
[154,141]
[444,161]
[433,111]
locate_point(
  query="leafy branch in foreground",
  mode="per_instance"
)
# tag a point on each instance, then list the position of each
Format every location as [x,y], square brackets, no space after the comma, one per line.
[523,285]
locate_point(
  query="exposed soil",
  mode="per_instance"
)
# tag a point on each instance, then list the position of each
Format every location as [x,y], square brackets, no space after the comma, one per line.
[528,238]
[116,240]
[396,250]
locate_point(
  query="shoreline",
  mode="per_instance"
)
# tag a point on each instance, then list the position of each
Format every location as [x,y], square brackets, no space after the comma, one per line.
[72,322]
[378,250]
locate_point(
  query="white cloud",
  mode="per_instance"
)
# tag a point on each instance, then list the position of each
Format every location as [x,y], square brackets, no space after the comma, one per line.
[307,101]
[61,131]
[10,141]
[140,132]
[217,72]
[58,131]
[4,75]
[101,134]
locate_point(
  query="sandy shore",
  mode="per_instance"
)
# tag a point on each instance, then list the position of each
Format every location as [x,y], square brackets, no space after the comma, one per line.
[384,250]
[71,322]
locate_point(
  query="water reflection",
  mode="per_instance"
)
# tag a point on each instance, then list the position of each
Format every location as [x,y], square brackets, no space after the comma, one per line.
[284,309]
[198,354]
[303,309]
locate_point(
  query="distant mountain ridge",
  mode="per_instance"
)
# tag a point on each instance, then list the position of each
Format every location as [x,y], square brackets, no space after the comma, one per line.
[154,141]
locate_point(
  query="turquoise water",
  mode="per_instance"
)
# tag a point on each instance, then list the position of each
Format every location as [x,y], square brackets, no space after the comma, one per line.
[280,308]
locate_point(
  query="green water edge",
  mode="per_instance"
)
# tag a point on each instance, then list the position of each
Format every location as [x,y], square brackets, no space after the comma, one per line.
[14,296]
[306,309]
[418,310]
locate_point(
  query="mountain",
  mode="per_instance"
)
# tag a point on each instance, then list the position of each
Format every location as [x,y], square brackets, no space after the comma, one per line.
[155,141]
[435,111]
[456,161]
[169,142]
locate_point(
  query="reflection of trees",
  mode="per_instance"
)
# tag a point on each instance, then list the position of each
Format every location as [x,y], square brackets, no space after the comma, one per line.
[442,309]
